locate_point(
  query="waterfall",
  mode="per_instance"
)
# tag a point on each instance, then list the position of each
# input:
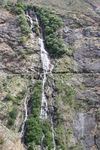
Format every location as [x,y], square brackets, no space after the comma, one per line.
[42,141]
[47,68]
[29,19]
[26,114]
[25,119]
[53,133]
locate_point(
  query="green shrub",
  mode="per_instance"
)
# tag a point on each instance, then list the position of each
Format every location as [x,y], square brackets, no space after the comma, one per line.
[13,113]
[25,29]
[60,132]
[21,5]
[33,131]
[30,147]
[50,24]
[8,7]
[10,122]
[21,95]
[36,28]
[22,39]
[24,25]
[12,117]
[48,141]
[19,10]
[35,127]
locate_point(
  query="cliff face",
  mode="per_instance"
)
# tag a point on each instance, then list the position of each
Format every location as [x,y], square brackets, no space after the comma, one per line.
[17,62]
[82,35]
[74,85]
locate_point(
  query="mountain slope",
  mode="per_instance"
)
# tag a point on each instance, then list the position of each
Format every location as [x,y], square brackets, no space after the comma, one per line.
[74,85]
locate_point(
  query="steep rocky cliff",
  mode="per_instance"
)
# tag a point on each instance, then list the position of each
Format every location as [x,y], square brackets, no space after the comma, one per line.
[73,86]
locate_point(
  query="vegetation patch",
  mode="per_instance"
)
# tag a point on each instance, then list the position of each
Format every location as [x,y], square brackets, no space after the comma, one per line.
[19,9]
[34,126]
[24,25]
[12,117]
[15,99]
[60,136]
[66,93]
[51,24]
[36,29]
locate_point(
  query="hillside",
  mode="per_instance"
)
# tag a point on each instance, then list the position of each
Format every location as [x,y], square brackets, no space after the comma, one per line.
[50,75]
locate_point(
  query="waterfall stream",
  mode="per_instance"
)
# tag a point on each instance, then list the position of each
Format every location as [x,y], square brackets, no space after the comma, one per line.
[25,115]
[42,141]
[47,68]
[25,119]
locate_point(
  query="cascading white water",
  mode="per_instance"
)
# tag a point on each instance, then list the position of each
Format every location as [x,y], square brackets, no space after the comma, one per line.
[29,19]
[53,133]
[47,68]
[25,119]
[26,114]
[42,141]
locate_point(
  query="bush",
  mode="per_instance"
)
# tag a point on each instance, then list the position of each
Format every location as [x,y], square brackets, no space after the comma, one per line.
[24,25]
[33,131]
[51,23]
[21,95]
[21,5]
[10,122]
[13,113]
[22,39]
[60,132]
[35,128]
[36,28]
[48,141]
[12,117]
[19,10]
